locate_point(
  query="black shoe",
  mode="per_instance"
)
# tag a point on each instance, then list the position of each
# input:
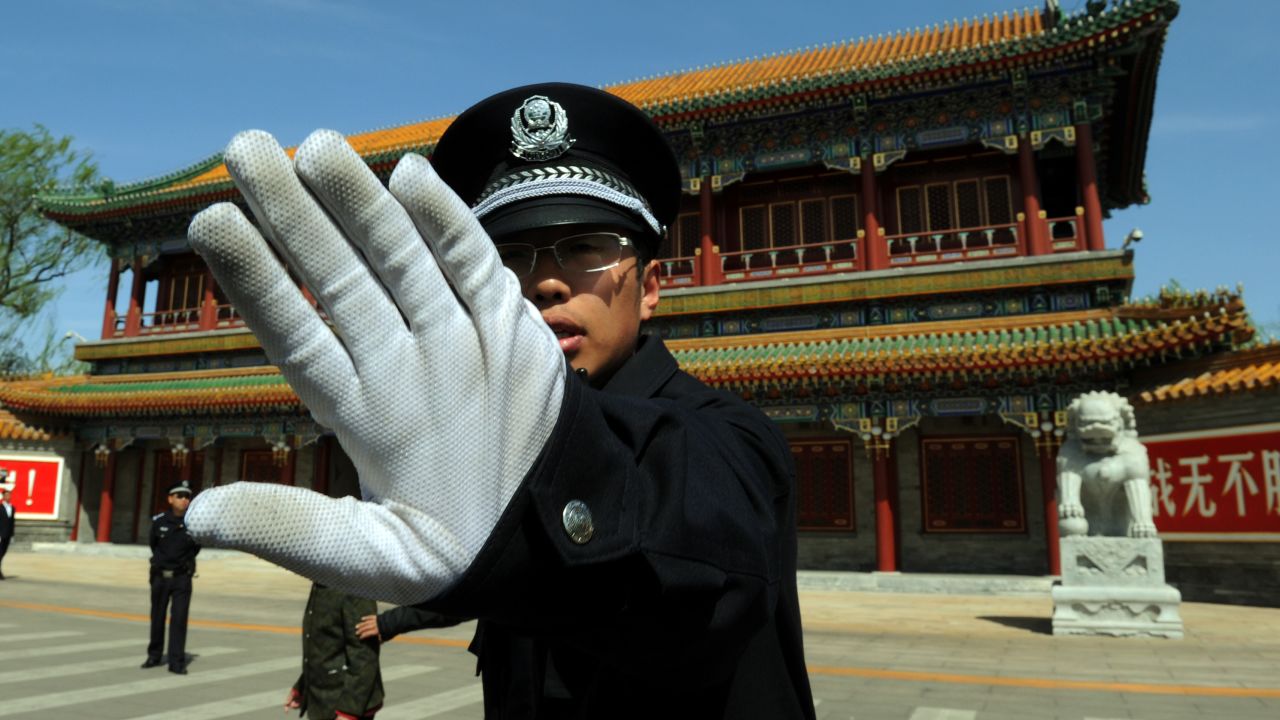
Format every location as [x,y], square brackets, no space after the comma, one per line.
[150,663]
[178,669]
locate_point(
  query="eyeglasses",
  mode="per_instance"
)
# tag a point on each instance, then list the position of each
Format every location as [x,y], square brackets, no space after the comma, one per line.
[586,253]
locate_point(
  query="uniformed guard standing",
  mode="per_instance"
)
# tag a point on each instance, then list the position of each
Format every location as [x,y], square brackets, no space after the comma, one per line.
[173,562]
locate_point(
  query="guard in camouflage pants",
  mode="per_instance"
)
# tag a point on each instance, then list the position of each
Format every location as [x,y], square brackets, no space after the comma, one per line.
[340,674]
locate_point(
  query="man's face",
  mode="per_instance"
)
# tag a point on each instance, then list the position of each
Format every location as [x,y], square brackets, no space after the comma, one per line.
[596,316]
[179,504]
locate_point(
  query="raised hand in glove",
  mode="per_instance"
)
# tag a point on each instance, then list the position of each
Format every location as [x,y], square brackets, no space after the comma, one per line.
[440,381]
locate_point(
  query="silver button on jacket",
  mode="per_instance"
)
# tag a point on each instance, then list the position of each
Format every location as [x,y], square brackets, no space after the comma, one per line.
[577,521]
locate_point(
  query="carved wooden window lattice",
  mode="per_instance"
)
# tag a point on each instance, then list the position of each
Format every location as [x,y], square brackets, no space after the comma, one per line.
[999,201]
[790,223]
[824,476]
[813,222]
[782,224]
[686,235]
[959,205]
[968,204]
[972,485]
[910,210]
[845,221]
[937,202]
[754,227]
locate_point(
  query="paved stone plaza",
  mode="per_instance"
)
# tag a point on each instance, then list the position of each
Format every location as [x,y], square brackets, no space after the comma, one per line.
[73,630]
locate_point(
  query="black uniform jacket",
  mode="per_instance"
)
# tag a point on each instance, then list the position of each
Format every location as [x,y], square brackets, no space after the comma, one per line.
[172,548]
[7,522]
[682,603]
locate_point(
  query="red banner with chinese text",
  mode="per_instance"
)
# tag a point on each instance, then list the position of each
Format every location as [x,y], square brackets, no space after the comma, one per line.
[36,483]
[1217,481]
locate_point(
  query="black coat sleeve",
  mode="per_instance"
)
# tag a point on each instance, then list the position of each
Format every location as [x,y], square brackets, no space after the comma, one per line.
[408,618]
[689,495]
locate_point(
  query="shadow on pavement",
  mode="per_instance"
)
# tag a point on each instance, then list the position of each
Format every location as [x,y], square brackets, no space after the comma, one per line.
[1039,625]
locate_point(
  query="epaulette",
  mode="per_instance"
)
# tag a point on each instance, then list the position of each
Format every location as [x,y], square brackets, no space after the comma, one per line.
[156,517]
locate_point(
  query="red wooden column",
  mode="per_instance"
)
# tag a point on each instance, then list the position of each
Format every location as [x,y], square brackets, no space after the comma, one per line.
[138,509]
[84,465]
[877,257]
[133,321]
[109,314]
[1037,238]
[886,550]
[1048,453]
[209,304]
[710,272]
[320,469]
[1088,173]
[106,504]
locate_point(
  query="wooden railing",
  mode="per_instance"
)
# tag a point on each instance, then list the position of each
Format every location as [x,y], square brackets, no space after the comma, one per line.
[925,248]
[1066,233]
[678,271]
[791,261]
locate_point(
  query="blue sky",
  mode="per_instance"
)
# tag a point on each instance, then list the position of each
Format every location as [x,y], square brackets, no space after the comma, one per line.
[152,86]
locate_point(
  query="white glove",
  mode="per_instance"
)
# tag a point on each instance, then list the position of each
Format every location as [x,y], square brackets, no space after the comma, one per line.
[441,382]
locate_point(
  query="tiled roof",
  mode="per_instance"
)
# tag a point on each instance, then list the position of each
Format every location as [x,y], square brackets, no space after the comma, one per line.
[863,59]
[954,49]
[1238,372]
[11,428]
[200,392]
[1062,342]
[987,348]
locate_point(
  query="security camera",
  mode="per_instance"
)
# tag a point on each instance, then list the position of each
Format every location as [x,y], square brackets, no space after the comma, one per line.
[1135,235]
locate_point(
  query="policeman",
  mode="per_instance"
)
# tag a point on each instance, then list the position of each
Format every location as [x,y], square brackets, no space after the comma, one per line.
[625,535]
[173,562]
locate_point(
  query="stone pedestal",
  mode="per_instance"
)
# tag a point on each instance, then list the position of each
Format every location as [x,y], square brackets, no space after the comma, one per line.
[1115,586]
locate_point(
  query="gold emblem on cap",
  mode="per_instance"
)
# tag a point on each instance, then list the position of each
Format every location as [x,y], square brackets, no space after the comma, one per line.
[540,129]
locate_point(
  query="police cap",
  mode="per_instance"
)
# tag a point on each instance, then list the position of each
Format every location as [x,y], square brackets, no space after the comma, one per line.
[180,488]
[560,154]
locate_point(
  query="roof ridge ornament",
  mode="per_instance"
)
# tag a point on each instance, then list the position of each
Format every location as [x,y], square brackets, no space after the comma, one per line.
[540,130]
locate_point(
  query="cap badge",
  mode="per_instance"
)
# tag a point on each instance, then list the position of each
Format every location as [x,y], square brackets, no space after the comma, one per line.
[540,130]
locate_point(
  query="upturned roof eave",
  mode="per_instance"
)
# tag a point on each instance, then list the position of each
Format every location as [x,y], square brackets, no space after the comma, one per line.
[1078,31]
[1074,339]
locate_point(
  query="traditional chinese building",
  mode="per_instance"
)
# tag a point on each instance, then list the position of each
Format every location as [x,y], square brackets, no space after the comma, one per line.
[893,246]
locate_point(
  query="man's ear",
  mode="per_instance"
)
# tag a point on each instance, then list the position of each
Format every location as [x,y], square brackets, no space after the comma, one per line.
[649,290]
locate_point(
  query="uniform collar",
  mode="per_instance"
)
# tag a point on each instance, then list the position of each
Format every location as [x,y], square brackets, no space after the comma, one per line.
[644,372]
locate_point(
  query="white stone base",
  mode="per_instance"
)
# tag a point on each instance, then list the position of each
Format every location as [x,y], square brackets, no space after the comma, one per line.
[1115,586]
[1117,611]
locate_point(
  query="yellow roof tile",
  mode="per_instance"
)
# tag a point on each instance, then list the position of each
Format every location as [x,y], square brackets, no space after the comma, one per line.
[1242,371]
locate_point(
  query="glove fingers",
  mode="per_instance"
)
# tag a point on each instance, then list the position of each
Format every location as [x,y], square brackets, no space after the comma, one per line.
[292,334]
[312,245]
[377,223]
[463,250]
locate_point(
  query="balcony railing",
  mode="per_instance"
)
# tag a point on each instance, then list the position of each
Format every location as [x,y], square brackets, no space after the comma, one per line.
[1065,233]
[955,245]
[678,271]
[790,261]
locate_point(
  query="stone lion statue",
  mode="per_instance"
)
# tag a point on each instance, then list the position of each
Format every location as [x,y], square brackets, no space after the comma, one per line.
[1104,485]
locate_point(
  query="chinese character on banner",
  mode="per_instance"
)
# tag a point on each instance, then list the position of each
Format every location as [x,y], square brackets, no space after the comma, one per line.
[1218,481]
[36,484]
